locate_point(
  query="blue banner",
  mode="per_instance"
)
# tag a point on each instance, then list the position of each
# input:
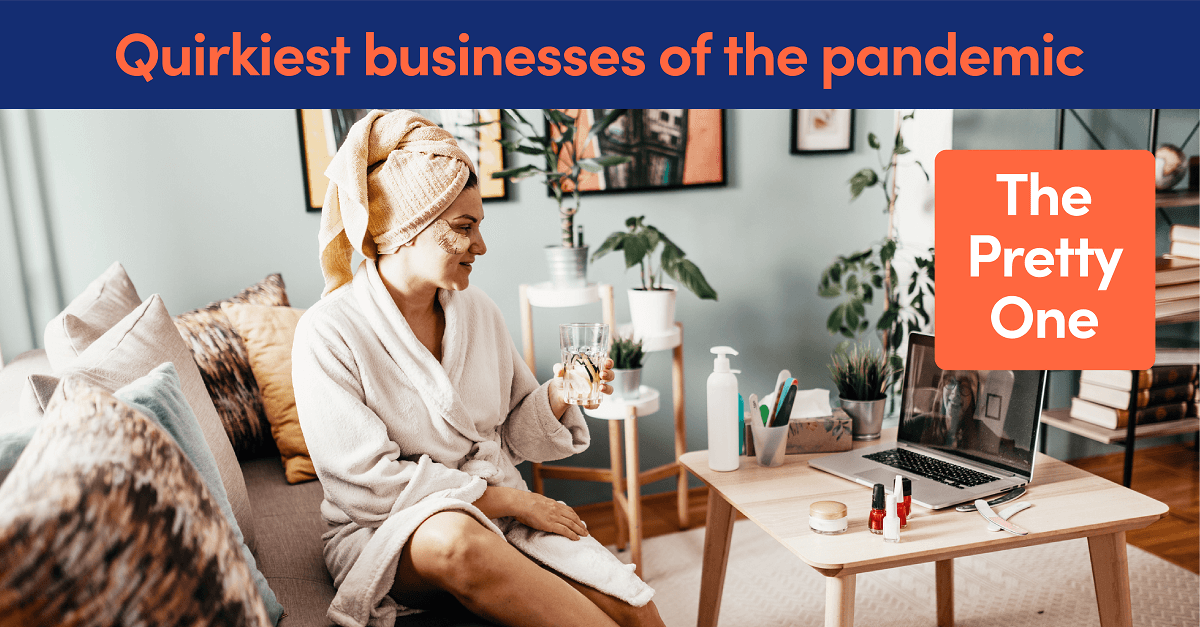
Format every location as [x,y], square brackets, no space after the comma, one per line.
[609,54]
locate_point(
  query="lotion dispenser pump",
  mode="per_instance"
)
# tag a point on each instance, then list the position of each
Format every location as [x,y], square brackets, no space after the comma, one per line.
[722,413]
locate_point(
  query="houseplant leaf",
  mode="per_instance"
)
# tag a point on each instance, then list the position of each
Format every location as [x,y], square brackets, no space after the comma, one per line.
[690,277]
[613,242]
[636,248]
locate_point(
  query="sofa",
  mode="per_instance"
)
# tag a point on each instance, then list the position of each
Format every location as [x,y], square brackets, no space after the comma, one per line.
[284,517]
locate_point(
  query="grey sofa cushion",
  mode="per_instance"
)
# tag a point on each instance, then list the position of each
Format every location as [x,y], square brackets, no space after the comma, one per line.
[288,521]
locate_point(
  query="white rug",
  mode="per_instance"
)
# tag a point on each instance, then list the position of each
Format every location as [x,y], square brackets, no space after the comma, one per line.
[767,586]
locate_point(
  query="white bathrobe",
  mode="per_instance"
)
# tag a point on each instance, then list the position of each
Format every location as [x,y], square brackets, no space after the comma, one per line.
[396,437]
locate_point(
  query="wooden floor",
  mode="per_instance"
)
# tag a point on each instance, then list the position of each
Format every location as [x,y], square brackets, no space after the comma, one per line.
[1170,474]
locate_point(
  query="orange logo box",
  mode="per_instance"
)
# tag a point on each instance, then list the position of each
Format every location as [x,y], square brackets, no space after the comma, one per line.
[1004,280]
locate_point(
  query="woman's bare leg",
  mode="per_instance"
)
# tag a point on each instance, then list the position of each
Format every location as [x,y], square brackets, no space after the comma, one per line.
[452,552]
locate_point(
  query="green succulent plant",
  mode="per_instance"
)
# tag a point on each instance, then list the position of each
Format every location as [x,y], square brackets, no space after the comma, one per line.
[861,373]
[626,353]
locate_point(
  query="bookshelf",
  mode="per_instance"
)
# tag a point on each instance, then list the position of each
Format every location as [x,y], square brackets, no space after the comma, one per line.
[1127,436]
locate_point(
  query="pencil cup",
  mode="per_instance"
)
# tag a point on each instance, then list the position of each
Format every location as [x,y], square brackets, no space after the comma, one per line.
[770,443]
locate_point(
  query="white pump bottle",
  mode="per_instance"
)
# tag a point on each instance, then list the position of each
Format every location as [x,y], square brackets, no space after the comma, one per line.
[722,413]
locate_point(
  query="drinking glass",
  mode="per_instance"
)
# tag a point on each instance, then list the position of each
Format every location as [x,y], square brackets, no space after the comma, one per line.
[584,351]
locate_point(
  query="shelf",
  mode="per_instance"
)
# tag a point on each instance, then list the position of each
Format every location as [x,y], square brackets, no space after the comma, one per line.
[546,295]
[1181,198]
[1061,419]
[1191,316]
[613,408]
[651,343]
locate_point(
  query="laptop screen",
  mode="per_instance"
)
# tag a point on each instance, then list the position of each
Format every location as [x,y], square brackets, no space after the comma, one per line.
[987,416]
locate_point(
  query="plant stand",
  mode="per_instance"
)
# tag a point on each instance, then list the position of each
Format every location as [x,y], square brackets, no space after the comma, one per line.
[626,482]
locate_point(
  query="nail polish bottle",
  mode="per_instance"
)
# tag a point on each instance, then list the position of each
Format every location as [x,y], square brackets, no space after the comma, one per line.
[875,520]
[891,522]
[904,508]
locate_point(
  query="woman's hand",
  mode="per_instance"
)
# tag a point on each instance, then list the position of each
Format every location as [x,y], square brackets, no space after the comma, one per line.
[532,509]
[558,403]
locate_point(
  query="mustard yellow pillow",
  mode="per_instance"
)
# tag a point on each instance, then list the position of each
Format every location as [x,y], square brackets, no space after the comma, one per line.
[268,333]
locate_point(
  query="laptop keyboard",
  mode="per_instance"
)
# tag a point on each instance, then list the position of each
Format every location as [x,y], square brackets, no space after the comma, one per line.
[936,469]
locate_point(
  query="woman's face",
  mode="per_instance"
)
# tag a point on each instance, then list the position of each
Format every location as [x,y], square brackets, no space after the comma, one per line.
[442,254]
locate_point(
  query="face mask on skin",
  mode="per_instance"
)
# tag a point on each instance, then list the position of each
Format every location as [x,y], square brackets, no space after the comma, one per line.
[451,241]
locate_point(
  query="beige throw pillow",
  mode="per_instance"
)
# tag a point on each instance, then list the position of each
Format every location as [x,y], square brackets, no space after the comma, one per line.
[268,333]
[137,344]
[103,303]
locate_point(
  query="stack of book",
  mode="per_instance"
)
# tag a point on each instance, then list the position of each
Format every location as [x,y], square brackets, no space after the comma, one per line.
[1177,276]
[1164,392]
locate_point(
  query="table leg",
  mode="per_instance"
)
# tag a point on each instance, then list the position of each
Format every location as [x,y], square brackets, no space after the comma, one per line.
[717,535]
[634,490]
[839,601]
[944,575]
[1110,571]
[614,454]
[677,400]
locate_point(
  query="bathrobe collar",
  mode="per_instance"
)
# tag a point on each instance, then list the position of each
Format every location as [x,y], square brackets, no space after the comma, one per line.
[434,381]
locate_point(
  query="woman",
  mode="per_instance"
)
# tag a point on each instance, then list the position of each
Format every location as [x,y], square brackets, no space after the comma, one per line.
[416,408]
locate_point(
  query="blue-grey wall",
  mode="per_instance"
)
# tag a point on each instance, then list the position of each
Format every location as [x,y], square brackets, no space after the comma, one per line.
[198,204]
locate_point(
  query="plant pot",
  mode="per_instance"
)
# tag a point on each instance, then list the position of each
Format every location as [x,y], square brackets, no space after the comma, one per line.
[627,383]
[652,311]
[568,266]
[866,417]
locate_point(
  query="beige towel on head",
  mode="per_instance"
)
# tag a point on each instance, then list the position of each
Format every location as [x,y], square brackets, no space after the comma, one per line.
[376,209]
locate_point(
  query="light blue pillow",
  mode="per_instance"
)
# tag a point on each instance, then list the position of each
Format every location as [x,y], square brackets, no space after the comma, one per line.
[160,397]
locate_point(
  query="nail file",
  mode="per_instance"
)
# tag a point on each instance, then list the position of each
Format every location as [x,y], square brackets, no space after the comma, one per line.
[780,399]
[785,408]
[1007,513]
[988,514]
[766,413]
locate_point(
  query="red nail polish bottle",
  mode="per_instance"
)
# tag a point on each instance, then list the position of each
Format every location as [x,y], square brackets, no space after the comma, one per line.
[875,521]
[904,507]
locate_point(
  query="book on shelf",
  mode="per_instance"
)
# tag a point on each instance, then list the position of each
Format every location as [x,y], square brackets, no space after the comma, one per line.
[1119,399]
[1113,418]
[1158,376]
[1166,309]
[1166,356]
[1164,293]
[1185,233]
[1185,249]
[1170,271]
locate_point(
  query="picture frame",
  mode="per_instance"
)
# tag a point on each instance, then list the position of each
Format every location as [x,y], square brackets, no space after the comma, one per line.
[322,131]
[669,149]
[822,131]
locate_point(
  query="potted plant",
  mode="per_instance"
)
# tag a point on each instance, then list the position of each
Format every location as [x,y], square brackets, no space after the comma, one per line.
[862,376]
[627,356]
[652,306]
[558,150]
[855,277]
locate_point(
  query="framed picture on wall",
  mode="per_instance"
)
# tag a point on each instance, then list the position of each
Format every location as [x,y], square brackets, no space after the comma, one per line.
[822,130]
[322,132]
[669,149]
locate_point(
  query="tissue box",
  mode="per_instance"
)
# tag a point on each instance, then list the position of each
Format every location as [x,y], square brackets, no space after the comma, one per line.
[829,434]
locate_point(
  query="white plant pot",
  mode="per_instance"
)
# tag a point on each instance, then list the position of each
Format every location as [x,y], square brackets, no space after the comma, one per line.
[652,311]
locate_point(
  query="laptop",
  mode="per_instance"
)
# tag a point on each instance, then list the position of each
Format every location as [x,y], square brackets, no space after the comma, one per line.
[964,434]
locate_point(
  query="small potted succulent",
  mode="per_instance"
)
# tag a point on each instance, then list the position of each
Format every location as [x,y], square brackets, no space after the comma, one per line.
[627,356]
[862,376]
[558,150]
[652,306]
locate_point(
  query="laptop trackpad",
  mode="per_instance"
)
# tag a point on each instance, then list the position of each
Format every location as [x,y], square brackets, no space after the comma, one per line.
[879,475]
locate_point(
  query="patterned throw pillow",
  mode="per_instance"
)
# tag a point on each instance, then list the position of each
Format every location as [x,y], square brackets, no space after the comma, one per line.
[225,367]
[103,521]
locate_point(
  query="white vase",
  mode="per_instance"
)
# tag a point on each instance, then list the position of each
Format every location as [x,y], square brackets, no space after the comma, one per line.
[652,311]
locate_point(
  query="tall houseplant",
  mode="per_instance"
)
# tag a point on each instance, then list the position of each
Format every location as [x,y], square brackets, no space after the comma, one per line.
[652,306]
[855,277]
[558,149]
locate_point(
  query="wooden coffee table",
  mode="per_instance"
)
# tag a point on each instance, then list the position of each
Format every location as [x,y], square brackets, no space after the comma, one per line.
[1068,503]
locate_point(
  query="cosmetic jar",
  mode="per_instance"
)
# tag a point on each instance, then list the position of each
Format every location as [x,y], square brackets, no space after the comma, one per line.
[827,517]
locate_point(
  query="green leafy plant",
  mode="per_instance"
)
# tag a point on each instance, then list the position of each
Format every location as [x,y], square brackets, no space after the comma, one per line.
[639,244]
[861,373]
[626,353]
[856,277]
[558,152]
